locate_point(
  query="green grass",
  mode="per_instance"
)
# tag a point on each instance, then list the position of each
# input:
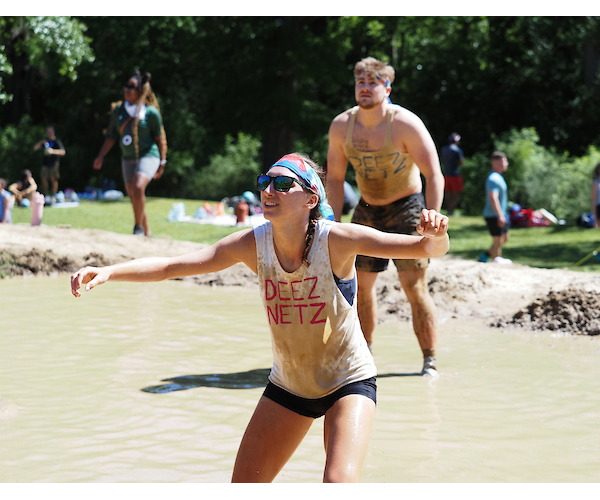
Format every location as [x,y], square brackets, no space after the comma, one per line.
[547,247]
[117,216]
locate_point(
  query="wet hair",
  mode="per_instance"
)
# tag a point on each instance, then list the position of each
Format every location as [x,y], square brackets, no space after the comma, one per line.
[596,174]
[148,97]
[498,155]
[375,66]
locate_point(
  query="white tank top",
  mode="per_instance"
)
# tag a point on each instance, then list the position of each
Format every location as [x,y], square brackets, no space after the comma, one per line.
[318,345]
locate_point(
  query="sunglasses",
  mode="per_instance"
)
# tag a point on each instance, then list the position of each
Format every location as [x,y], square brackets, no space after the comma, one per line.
[282,183]
[130,87]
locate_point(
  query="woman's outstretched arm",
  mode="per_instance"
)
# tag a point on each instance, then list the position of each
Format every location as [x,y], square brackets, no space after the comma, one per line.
[237,247]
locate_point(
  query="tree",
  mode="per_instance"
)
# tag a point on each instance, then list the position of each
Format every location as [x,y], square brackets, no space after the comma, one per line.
[45,43]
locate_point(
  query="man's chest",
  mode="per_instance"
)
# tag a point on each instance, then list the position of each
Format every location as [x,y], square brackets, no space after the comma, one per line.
[369,139]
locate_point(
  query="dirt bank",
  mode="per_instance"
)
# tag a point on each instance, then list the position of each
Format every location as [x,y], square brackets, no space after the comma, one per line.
[503,295]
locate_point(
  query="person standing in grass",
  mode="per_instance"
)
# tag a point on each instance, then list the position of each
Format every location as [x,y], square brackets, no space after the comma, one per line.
[596,195]
[137,124]
[53,151]
[307,280]
[495,210]
[452,158]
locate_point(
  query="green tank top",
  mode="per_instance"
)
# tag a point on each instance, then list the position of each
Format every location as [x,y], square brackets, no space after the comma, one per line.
[120,128]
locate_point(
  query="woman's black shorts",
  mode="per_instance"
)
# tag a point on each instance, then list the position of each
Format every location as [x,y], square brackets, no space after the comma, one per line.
[316,408]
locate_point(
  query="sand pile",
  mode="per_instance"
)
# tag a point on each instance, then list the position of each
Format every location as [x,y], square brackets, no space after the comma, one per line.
[573,311]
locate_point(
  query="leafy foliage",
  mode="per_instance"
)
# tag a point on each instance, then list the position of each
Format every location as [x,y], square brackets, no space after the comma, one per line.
[16,150]
[230,173]
[537,177]
[281,80]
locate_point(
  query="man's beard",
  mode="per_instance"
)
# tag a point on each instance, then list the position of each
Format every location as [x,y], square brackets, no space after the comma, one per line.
[368,105]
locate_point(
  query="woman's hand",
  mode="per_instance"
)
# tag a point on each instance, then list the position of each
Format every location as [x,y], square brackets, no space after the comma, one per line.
[89,276]
[159,172]
[433,224]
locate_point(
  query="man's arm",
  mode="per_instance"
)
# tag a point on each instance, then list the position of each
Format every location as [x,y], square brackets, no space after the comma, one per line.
[495,203]
[419,144]
[60,150]
[337,164]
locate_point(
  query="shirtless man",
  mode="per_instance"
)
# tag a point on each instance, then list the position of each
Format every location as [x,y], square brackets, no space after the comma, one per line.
[389,148]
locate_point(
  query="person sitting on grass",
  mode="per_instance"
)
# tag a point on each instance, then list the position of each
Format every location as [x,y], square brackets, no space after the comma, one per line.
[24,188]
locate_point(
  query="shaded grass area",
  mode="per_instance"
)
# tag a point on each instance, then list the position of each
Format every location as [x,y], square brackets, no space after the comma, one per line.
[546,247]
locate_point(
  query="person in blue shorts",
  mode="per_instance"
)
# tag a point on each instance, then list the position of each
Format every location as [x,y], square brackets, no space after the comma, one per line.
[305,264]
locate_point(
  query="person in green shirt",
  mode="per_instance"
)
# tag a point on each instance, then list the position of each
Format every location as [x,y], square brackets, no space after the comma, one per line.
[137,124]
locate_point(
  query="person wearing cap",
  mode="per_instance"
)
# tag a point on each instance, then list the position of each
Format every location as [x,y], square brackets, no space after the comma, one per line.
[452,158]
[305,266]
[389,148]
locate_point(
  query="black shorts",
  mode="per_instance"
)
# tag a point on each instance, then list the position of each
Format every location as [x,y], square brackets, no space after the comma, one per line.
[316,408]
[401,217]
[51,172]
[495,230]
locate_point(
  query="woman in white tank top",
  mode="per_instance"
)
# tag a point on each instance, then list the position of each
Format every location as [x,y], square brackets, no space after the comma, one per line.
[321,363]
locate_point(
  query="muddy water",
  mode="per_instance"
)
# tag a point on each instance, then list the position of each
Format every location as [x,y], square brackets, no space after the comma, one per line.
[156,383]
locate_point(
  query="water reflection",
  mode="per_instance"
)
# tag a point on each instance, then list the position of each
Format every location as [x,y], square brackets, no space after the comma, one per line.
[251,379]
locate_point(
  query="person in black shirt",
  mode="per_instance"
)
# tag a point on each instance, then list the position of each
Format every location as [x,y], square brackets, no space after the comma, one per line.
[50,173]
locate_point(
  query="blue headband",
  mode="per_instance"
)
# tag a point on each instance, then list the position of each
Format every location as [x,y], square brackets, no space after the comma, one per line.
[305,172]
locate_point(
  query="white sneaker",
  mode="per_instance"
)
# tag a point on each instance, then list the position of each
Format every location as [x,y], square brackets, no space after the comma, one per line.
[501,260]
[429,369]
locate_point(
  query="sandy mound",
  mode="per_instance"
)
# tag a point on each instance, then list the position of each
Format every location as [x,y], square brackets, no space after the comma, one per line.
[501,295]
[573,311]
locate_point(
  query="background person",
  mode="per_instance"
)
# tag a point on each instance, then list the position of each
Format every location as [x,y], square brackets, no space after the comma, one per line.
[6,203]
[452,158]
[495,210]
[305,266]
[24,188]
[389,148]
[137,124]
[53,151]
[596,195]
